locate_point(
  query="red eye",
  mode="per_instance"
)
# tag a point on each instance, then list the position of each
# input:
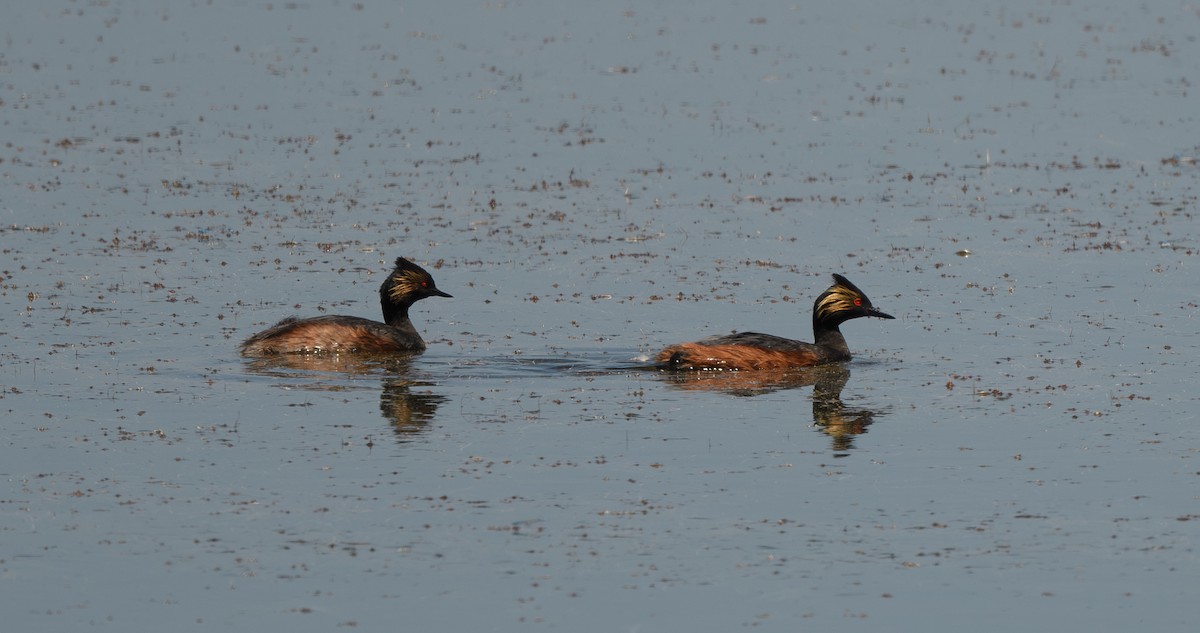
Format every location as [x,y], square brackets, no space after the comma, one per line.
[857,302]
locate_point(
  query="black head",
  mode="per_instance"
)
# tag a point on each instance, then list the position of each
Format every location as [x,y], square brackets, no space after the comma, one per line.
[840,303]
[407,284]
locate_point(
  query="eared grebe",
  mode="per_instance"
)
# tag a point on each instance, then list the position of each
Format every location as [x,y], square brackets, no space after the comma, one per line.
[333,334]
[750,350]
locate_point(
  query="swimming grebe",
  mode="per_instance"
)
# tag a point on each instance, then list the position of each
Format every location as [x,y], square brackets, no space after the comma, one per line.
[750,350]
[333,334]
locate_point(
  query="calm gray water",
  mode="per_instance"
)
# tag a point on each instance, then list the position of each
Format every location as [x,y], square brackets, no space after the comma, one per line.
[1016,184]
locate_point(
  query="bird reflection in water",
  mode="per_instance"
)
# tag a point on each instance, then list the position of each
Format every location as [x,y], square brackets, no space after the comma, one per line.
[410,413]
[830,414]
[404,401]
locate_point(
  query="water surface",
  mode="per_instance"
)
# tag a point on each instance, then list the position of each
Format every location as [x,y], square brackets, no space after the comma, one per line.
[1017,185]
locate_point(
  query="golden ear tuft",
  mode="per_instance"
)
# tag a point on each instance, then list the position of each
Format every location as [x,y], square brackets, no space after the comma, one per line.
[838,298]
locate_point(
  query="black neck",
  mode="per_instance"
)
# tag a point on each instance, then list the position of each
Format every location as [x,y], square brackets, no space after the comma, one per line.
[394,312]
[831,342]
